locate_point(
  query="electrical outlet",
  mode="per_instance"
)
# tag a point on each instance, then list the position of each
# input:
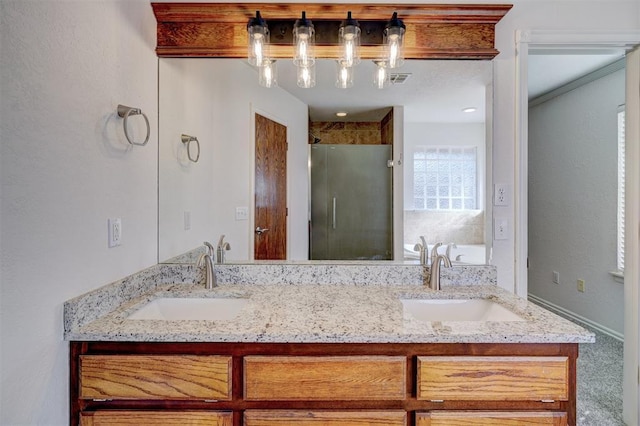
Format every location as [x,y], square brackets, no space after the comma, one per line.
[556,277]
[115,232]
[500,195]
[581,286]
[500,228]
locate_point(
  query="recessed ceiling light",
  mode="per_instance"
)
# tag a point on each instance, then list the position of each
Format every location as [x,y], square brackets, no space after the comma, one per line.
[469,109]
[341,114]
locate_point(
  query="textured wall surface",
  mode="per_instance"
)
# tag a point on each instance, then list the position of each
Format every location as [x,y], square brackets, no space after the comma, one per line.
[573,195]
[65,169]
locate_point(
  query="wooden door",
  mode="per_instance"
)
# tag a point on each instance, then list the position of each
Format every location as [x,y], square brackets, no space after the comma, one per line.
[270,241]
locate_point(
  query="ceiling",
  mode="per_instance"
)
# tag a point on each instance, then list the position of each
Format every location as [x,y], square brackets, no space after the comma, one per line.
[436,90]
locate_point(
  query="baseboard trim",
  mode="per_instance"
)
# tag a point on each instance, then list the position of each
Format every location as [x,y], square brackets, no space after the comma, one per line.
[575,317]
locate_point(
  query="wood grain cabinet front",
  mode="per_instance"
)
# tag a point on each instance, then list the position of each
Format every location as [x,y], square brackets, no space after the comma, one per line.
[470,378]
[182,377]
[324,418]
[324,378]
[491,418]
[153,418]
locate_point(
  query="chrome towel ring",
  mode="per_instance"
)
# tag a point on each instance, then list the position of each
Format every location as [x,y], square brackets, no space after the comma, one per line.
[125,112]
[186,139]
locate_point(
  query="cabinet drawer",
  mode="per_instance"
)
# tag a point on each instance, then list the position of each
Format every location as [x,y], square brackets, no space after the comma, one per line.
[493,378]
[324,418]
[155,377]
[490,418]
[153,418]
[289,378]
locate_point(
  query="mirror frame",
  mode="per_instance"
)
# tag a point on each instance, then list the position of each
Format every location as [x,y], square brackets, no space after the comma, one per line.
[437,31]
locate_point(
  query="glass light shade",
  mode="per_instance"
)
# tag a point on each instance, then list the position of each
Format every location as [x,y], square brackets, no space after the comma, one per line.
[393,40]
[267,74]
[304,41]
[349,39]
[381,75]
[344,79]
[258,45]
[307,76]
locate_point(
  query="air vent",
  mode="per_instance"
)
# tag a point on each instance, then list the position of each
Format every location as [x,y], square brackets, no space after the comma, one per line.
[399,78]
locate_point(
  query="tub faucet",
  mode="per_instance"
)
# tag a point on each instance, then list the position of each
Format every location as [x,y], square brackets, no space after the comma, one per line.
[222,247]
[210,273]
[422,248]
[434,271]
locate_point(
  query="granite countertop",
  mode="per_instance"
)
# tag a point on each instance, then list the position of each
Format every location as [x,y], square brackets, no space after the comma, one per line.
[331,313]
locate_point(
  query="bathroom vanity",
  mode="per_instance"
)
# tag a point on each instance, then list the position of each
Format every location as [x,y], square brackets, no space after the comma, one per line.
[335,351]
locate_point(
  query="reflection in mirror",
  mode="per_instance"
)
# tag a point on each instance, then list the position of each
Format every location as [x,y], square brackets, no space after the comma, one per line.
[440,151]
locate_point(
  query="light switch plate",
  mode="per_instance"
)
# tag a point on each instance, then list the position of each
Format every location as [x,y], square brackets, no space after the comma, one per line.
[500,229]
[115,232]
[242,213]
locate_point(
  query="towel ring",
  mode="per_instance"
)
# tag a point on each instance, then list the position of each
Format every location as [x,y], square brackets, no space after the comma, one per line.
[186,139]
[125,112]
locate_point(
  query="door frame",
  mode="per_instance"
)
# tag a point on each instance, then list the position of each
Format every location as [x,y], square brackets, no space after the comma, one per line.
[574,41]
[253,110]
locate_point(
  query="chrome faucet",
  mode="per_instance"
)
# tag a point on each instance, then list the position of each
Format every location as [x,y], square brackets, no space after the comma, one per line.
[210,274]
[222,247]
[207,260]
[422,248]
[434,252]
[434,271]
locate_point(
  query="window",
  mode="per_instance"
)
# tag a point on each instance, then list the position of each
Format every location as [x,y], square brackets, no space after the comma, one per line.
[621,142]
[445,178]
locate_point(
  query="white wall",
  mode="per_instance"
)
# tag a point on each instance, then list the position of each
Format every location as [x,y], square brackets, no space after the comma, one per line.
[65,169]
[65,66]
[540,14]
[573,166]
[213,99]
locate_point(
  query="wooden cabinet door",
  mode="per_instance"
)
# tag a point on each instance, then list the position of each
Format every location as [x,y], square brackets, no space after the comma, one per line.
[486,418]
[324,378]
[324,418]
[153,418]
[496,378]
[155,377]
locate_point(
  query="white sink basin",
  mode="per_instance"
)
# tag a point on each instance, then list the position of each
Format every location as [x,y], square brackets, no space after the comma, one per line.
[175,309]
[457,310]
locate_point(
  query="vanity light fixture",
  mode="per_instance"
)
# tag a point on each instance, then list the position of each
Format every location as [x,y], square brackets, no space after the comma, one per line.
[345,75]
[258,46]
[469,109]
[304,41]
[268,73]
[381,75]
[341,114]
[349,39]
[393,40]
[306,76]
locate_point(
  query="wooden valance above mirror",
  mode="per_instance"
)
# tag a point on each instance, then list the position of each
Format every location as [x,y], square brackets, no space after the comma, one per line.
[433,31]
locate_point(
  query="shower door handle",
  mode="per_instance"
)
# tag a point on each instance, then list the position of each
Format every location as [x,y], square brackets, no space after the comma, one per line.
[333,215]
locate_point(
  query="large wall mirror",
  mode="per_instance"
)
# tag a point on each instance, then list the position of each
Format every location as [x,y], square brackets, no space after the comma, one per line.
[438,154]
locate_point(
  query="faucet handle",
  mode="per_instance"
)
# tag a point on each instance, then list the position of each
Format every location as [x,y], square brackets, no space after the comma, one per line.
[221,240]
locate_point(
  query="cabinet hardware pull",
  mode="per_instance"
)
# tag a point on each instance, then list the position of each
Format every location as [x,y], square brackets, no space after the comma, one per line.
[548,400]
[437,400]
[210,400]
[101,400]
